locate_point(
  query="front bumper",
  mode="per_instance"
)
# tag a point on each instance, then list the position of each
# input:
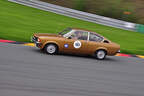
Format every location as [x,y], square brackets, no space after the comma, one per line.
[38,44]
[34,39]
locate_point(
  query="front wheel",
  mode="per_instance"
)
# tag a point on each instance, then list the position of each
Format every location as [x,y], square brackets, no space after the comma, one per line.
[100,54]
[51,49]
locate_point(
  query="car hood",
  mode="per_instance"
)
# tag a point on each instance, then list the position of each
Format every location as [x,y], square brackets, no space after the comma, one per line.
[46,35]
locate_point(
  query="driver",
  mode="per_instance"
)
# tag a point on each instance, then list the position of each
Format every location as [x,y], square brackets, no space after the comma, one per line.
[77,35]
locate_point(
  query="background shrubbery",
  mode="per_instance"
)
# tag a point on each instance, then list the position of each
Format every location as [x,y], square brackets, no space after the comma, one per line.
[18,23]
[109,8]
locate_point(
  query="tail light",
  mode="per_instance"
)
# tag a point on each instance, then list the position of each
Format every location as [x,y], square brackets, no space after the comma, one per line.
[118,51]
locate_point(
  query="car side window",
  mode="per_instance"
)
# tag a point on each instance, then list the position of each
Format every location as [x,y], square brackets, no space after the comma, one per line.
[95,37]
[80,35]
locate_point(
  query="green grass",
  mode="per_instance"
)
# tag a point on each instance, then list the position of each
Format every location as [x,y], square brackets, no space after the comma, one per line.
[19,22]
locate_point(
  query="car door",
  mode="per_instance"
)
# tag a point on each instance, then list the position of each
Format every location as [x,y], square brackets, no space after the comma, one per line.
[76,44]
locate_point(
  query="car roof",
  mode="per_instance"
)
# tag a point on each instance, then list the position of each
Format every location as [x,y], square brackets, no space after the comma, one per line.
[85,30]
[81,29]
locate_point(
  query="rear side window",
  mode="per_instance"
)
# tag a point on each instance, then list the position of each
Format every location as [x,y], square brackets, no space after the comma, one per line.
[95,37]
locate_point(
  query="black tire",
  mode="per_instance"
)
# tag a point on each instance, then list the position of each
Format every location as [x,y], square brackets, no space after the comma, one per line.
[100,54]
[51,49]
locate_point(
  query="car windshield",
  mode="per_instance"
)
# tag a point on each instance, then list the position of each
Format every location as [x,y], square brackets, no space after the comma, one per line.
[67,30]
[68,34]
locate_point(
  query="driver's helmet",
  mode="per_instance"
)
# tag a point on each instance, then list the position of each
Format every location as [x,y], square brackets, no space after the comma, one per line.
[78,32]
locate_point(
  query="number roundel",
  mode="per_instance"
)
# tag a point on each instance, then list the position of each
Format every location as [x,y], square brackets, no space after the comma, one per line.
[77,44]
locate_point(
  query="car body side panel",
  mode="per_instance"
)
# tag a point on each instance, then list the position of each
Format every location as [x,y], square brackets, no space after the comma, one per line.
[109,47]
[68,46]
[92,47]
[87,47]
[55,40]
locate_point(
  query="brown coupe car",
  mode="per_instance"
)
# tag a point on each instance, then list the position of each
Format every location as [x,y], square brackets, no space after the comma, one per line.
[76,41]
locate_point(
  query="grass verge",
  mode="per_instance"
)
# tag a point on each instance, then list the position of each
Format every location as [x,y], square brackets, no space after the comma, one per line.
[18,22]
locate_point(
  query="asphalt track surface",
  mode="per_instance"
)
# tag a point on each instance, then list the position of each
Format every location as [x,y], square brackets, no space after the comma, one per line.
[26,71]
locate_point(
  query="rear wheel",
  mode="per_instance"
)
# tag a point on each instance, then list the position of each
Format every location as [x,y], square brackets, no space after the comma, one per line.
[100,54]
[51,49]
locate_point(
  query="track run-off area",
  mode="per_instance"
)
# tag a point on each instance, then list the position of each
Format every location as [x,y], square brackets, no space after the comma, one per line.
[27,71]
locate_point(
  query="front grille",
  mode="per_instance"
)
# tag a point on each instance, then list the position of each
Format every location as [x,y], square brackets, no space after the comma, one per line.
[34,39]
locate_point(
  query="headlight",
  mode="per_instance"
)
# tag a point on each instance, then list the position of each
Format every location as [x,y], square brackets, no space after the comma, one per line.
[38,40]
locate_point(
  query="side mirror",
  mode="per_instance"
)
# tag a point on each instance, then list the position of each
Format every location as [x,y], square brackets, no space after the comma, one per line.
[106,41]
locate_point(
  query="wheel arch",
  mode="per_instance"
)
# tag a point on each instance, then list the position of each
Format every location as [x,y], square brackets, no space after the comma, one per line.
[102,48]
[51,42]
